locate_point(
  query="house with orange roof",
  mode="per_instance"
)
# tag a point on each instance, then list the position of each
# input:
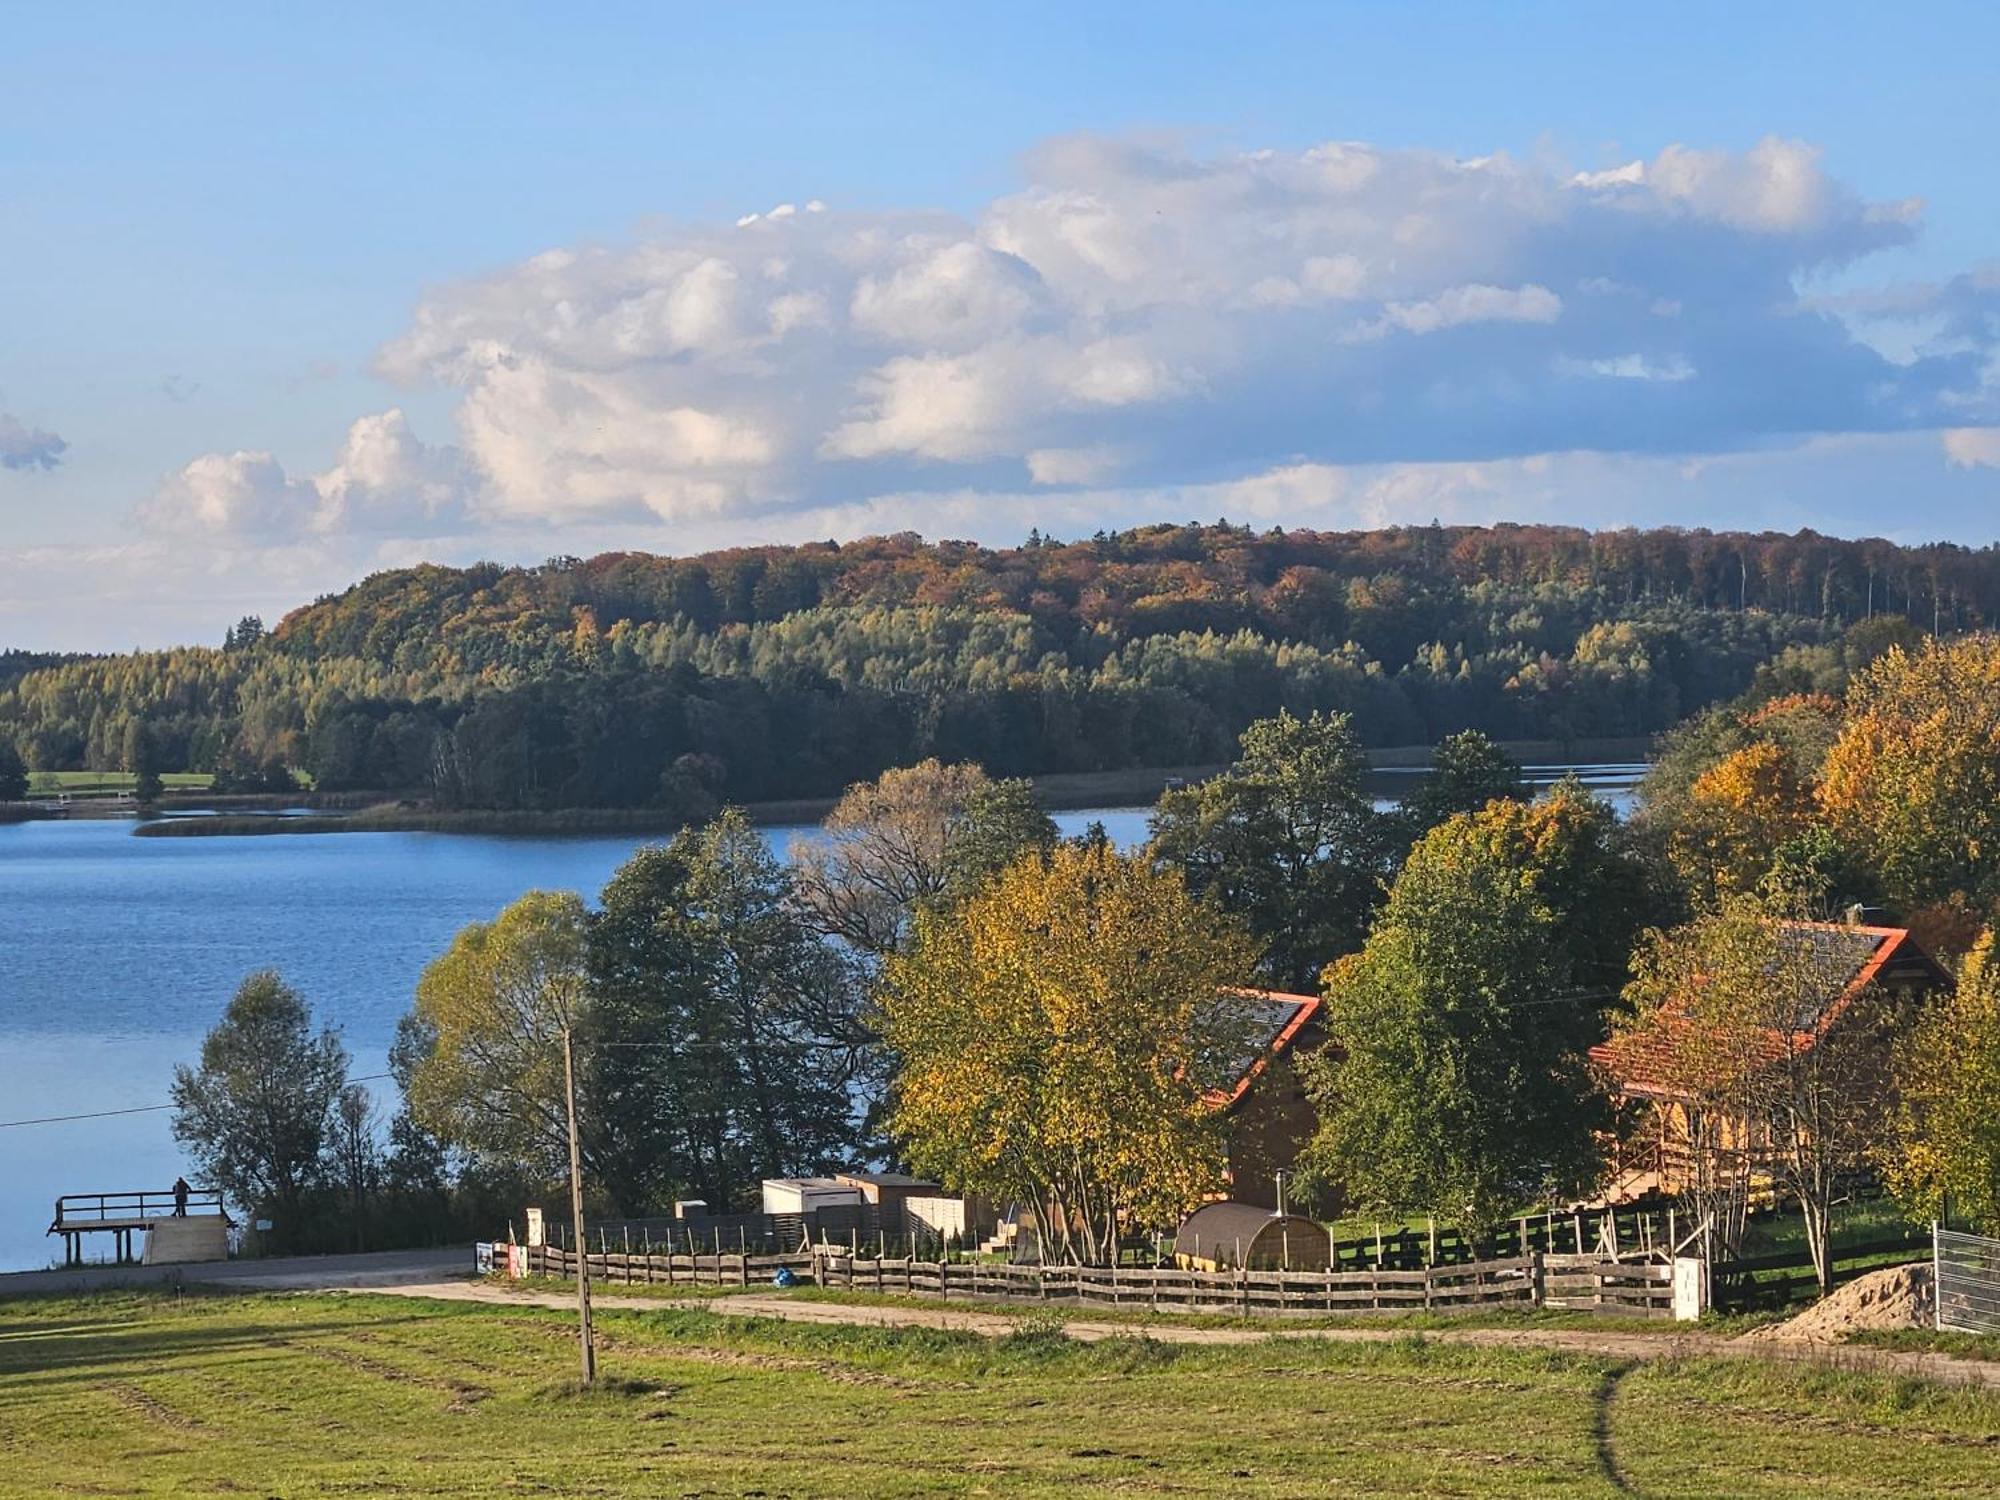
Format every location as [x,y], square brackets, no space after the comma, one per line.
[1269,1118]
[1886,962]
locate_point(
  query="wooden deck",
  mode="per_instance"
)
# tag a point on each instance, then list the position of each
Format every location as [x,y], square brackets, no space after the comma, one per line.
[122,1215]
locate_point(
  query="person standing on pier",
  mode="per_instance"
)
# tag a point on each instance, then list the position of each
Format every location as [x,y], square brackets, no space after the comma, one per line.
[180,1197]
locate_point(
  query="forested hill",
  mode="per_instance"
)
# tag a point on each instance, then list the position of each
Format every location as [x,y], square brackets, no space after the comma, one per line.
[630,679]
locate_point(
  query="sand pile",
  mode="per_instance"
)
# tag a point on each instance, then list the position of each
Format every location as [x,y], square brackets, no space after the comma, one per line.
[1899,1297]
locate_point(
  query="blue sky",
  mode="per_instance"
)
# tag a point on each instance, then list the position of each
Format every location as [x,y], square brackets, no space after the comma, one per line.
[271,317]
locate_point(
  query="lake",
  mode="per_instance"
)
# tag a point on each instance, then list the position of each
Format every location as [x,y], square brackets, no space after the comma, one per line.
[118,953]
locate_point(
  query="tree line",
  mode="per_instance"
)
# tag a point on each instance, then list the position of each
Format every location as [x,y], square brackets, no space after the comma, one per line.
[634,681]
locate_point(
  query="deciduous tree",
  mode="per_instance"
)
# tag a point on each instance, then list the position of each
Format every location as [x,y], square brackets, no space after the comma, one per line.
[485,1039]
[1288,838]
[1455,1081]
[256,1113]
[1056,1039]
[725,1039]
[908,840]
[1913,783]
[1945,1149]
[1467,771]
[1775,1061]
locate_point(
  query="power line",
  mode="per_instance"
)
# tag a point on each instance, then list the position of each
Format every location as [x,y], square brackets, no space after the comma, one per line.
[137,1109]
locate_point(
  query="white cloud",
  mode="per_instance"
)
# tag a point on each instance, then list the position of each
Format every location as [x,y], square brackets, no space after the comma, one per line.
[1139,311]
[1973,447]
[25,447]
[384,480]
[244,492]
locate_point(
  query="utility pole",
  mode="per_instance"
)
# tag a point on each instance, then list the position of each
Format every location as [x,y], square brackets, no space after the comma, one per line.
[576,1217]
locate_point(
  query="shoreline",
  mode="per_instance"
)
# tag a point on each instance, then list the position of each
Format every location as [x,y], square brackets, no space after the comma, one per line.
[1059,792]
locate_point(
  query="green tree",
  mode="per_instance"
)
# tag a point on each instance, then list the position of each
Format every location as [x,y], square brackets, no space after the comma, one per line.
[724,1033]
[13,774]
[910,839]
[1455,1080]
[256,1115]
[143,761]
[1287,837]
[1056,1039]
[1467,771]
[1944,1153]
[484,1043]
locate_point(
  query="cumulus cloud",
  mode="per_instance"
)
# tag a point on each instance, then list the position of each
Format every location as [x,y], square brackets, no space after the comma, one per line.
[384,480]
[25,447]
[1141,315]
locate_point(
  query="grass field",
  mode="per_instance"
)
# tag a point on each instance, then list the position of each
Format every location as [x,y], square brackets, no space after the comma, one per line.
[316,1396]
[109,783]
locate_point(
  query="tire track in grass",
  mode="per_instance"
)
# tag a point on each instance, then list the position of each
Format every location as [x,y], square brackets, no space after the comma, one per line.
[1601,1401]
[143,1403]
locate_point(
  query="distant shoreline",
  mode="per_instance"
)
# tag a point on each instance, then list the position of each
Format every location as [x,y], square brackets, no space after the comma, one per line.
[1058,791]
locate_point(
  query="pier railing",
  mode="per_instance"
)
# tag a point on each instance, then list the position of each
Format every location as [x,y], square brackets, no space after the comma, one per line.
[106,1210]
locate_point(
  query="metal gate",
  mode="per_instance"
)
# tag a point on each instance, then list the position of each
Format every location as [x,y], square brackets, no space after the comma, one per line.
[1968,1282]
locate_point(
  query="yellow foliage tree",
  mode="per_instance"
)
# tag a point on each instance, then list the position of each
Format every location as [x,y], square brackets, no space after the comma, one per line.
[1740,812]
[1945,1152]
[1056,1038]
[1913,782]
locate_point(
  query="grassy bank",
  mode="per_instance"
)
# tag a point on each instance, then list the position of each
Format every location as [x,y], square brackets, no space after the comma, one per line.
[109,783]
[316,1396]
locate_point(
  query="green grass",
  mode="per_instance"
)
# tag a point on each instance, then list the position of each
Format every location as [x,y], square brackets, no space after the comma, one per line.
[1984,1346]
[316,1396]
[109,783]
[1855,1223]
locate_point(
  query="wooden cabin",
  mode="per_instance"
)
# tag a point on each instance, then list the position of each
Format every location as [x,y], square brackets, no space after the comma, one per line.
[1880,960]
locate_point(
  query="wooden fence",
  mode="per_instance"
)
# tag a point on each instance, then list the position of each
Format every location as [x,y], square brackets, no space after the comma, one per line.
[1585,1283]
[638,1269]
[1773,1281]
[1589,1283]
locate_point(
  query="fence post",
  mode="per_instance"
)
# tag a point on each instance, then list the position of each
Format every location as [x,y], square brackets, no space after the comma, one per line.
[1937,1279]
[1538,1290]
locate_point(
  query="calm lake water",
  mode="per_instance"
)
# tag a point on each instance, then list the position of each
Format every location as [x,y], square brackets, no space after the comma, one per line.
[117,954]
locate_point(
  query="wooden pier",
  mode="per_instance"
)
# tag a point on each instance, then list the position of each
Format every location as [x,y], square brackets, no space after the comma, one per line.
[122,1215]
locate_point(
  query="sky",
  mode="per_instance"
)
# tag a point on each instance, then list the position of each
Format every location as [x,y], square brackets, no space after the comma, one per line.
[289,296]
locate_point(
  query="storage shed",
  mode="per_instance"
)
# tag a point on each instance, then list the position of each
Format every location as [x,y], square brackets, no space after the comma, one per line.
[1242,1236]
[806,1195]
